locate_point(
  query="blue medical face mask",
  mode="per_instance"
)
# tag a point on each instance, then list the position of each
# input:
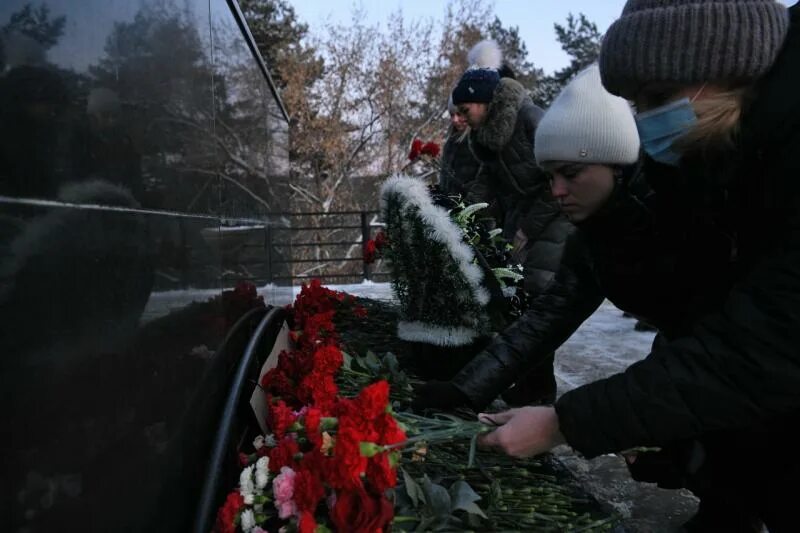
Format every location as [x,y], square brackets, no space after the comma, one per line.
[660,127]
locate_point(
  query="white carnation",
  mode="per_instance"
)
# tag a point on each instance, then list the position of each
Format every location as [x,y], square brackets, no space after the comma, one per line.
[246,481]
[248,520]
[262,472]
[258,443]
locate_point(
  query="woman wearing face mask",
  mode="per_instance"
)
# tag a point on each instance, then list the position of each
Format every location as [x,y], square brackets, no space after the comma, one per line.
[715,85]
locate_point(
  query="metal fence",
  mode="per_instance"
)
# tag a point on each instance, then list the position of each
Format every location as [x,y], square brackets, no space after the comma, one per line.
[328,246]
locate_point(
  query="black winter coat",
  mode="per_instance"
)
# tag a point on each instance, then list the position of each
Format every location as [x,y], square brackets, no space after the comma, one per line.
[460,167]
[560,280]
[509,178]
[712,257]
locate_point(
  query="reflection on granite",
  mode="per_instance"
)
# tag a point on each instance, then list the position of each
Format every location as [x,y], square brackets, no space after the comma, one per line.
[143,161]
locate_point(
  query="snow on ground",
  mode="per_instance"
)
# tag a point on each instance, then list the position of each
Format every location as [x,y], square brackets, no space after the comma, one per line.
[162,303]
[604,345]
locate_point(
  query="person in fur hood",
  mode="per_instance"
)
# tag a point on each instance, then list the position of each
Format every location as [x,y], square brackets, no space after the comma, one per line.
[558,274]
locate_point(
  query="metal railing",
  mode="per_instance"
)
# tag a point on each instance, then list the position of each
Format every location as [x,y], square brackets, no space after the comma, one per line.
[322,245]
[284,249]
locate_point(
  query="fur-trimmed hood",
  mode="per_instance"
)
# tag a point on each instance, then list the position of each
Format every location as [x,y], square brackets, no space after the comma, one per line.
[509,96]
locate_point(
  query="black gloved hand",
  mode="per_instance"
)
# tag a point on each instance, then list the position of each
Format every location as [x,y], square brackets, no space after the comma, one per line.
[438,395]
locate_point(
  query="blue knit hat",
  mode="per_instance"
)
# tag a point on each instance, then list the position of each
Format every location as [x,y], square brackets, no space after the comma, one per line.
[476,85]
[480,80]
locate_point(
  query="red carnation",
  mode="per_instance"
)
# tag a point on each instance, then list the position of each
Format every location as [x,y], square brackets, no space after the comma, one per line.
[308,491]
[374,399]
[226,515]
[245,290]
[380,473]
[370,250]
[416,149]
[381,240]
[388,429]
[311,421]
[318,389]
[244,459]
[328,360]
[313,299]
[360,512]
[348,464]
[281,418]
[283,454]
[431,148]
[307,523]
[276,383]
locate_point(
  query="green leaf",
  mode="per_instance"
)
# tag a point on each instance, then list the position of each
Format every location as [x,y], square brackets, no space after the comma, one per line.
[372,362]
[369,449]
[347,361]
[462,495]
[473,447]
[472,209]
[438,499]
[472,508]
[426,524]
[501,273]
[391,363]
[413,489]
[464,498]
[402,502]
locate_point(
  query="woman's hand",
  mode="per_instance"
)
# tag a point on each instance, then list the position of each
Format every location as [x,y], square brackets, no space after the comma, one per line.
[523,432]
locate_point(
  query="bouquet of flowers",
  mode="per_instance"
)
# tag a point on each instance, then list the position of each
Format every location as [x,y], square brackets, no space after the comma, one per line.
[341,454]
[329,459]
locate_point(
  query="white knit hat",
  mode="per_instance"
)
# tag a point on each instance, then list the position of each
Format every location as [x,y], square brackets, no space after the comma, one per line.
[587,124]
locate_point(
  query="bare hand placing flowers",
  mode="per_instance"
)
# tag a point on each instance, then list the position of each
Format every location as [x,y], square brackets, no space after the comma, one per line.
[522,432]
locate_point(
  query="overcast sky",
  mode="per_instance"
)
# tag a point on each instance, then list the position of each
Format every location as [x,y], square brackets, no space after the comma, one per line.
[535,18]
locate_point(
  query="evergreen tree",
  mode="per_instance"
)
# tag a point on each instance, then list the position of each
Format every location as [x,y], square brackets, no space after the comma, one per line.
[515,52]
[279,37]
[36,24]
[581,40]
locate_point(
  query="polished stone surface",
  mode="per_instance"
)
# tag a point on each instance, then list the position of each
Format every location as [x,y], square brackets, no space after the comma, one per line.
[142,152]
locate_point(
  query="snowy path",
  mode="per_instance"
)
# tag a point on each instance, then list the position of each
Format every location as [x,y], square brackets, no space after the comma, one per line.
[604,345]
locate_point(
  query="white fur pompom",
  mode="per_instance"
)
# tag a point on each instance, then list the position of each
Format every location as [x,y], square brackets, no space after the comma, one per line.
[486,54]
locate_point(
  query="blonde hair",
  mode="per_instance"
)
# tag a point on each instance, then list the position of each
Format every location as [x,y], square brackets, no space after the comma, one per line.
[718,122]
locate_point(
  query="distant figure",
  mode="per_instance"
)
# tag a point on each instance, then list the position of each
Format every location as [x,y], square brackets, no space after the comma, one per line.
[460,167]
[75,276]
[32,99]
[101,148]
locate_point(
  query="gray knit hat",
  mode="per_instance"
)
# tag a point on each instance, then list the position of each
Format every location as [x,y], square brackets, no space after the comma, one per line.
[586,124]
[690,42]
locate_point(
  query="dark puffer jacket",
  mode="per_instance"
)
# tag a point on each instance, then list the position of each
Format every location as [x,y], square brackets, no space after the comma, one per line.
[460,167]
[559,276]
[722,244]
[509,178]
